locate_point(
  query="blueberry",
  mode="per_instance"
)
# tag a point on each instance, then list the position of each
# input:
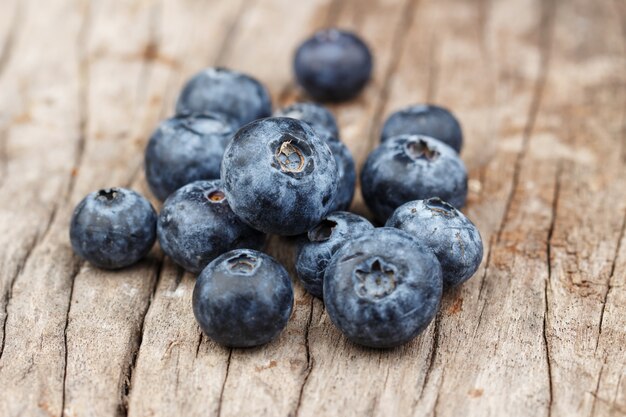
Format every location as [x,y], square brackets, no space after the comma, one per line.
[243,298]
[425,119]
[412,167]
[319,117]
[185,149]
[113,228]
[279,176]
[383,288]
[231,93]
[333,65]
[196,225]
[321,244]
[447,232]
[346,174]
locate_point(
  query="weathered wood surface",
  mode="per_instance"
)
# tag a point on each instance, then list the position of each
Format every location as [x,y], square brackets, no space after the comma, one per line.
[540,87]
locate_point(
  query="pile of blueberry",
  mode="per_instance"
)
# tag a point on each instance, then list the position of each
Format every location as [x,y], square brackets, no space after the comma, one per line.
[230,173]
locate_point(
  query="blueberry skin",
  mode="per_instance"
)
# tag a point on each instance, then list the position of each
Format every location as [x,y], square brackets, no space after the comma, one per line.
[447,232]
[425,119]
[196,225]
[321,244]
[333,65]
[279,176]
[383,288]
[231,93]
[412,167]
[346,173]
[243,298]
[319,117]
[113,228]
[185,149]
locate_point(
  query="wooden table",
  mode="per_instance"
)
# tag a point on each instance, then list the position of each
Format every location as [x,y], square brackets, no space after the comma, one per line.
[540,87]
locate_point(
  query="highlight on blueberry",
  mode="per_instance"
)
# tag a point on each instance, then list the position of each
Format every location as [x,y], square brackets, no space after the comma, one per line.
[383,288]
[113,228]
[243,298]
[412,167]
[279,176]
[321,244]
[333,65]
[219,90]
[447,232]
[196,225]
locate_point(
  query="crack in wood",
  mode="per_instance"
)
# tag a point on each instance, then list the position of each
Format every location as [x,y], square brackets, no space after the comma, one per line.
[555,205]
[309,359]
[123,406]
[482,283]
[609,287]
[595,393]
[83,96]
[244,7]
[546,35]
[11,39]
[431,359]
[199,343]
[72,278]
[9,293]
[398,41]
[221,398]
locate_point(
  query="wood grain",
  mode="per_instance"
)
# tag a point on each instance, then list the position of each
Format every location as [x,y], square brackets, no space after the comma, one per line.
[540,88]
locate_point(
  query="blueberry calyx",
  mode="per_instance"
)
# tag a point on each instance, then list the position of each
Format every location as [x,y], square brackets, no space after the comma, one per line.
[216,196]
[323,231]
[419,149]
[242,264]
[439,206]
[107,194]
[376,279]
[290,157]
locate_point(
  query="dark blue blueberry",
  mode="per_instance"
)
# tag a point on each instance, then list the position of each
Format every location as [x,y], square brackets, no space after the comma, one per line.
[333,65]
[346,173]
[425,119]
[185,149]
[196,225]
[321,244]
[231,93]
[279,176]
[243,298]
[447,232]
[319,117]
[113,228]
[411,167]
[383,288]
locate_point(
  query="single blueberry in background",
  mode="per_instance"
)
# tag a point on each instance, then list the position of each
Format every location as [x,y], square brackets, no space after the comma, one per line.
[230,93]
[383,288]
[319,117]
[412,167]
[447,232]
[185,149]
[321,244]
[279,176]
[425,119]
[113,228]
[346,173]
[243,298]
[333,65]
[196,225]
